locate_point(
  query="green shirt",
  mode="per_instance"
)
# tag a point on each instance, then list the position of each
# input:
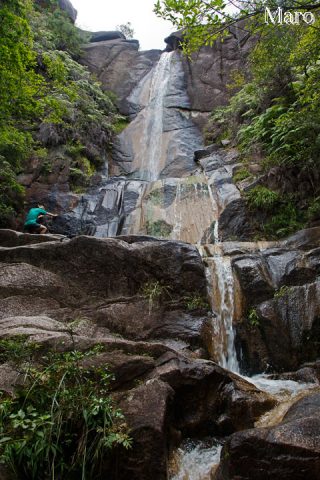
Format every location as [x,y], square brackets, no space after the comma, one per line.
[33,216]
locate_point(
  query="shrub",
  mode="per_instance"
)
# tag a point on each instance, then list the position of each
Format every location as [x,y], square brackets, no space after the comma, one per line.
[196,301]
[261,197]
[284,290]
[11,194]
[253,318]
[241,174]
[154,291]
[287,220]
[313,212]
[62,422]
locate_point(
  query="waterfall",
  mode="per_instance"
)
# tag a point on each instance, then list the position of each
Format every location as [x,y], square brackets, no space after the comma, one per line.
[221,279]
[143,145]
[151,138]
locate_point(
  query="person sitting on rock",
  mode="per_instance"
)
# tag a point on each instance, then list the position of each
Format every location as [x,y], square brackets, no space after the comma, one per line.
[32,224]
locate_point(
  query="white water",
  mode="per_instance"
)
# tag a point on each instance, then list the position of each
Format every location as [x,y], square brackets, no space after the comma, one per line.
[223,306]
[152,132]
[195,460]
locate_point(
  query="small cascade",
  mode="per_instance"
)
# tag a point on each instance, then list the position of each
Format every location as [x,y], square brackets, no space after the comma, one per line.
[195,460]
[222,297]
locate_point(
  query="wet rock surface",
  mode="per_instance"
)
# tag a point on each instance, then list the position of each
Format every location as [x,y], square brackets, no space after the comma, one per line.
[66,294]
[288,450]
[118,64]
[211,69]
[279,292]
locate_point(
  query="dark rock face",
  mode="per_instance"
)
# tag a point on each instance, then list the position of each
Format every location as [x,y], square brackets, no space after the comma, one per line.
[163,388]
[234,222]
[103,36]
[118,65]
[210,71]
[10,238]
[281,285]
[109,268]
[288,450]
[146,409]
[173,41]
[207,401]
[67,6]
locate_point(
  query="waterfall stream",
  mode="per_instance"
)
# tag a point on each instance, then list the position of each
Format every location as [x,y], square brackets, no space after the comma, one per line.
[151,142]
[161,192]
[222,297]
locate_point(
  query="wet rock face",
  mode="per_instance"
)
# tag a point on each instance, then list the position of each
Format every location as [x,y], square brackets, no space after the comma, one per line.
[210,71]
[234,222]
[118,64]
[288,450]
[72,294]
[280,296]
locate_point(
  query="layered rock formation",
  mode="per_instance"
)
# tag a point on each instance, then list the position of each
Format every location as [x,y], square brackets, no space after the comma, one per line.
[67,294]
[280,287]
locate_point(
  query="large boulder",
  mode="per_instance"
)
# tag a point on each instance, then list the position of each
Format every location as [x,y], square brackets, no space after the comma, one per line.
[103,36]
[208,399]
[147,412]
[288,450]
[135,287]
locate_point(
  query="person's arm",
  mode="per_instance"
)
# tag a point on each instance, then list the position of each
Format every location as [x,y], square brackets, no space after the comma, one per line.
[44,212]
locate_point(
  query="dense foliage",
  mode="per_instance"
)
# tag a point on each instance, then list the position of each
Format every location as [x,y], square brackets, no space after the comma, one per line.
[42,434]
[275,116]
[274,110]
[49,102]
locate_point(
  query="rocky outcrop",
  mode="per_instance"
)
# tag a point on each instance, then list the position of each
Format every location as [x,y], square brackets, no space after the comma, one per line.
[72,294]
[278,323]
[67,6]
[173,41]
[104,36]
[288,450]
[210,71]
[107,282]
[234,222]
[118,64]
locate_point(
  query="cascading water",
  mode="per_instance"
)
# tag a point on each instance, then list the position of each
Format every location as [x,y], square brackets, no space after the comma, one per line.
[151,142]
[223,306]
